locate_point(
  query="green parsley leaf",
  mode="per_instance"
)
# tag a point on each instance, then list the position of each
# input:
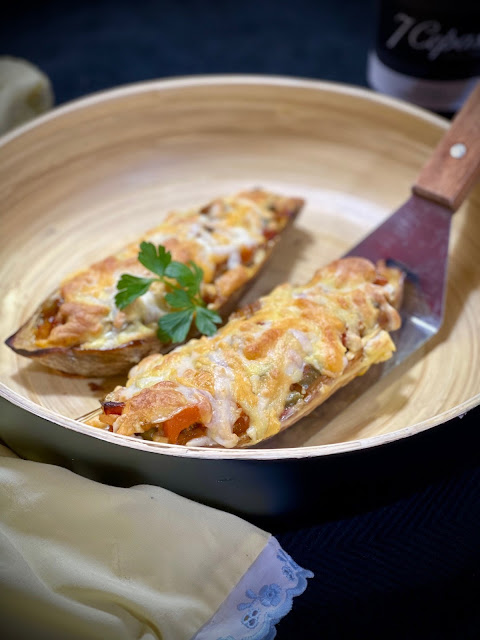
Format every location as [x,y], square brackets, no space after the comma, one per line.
[162,335]
[182,283]
[175,326]
[206,319]
[198,274]
[179,299]
[156,260]
[188,278]
[130,288]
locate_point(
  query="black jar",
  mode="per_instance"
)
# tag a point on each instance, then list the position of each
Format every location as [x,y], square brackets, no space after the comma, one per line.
[427,51]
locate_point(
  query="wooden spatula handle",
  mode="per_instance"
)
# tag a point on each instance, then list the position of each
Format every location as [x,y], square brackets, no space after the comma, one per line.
[454,166]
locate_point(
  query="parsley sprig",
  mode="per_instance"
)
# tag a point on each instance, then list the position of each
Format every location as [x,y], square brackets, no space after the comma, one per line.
[182,283]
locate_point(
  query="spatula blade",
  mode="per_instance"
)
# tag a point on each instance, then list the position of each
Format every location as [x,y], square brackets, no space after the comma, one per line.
[415,238]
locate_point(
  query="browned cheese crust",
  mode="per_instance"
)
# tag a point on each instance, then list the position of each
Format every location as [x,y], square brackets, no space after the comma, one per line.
[79,329]
[273,362]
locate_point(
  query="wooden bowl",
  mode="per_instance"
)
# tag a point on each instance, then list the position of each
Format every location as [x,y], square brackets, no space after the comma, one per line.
[90,176]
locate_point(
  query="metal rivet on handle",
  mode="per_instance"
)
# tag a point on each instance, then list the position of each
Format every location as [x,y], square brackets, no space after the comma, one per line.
[458,150]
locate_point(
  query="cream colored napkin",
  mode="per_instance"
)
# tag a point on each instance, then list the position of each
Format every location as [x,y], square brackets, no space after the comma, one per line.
[25,92]
[82,560]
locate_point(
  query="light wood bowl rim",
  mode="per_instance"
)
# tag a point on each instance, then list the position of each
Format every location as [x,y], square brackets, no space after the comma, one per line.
[234,454]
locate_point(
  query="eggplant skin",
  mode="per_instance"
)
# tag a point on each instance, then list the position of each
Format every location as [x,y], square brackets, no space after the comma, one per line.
[99,362]
[78,361]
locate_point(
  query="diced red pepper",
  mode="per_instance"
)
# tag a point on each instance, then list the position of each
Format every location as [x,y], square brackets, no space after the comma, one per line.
[115,408]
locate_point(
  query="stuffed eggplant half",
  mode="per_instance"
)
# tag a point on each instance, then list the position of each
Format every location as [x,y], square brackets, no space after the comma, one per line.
[80,330]
[272,363]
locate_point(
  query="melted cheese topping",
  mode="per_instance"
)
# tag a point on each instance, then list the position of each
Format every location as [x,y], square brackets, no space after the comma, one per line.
[228,239]
[340,318]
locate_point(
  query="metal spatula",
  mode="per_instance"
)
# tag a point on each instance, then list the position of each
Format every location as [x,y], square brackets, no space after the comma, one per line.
[415,237]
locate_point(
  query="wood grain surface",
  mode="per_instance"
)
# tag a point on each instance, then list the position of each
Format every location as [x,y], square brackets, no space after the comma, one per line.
[454,167]
[86,179]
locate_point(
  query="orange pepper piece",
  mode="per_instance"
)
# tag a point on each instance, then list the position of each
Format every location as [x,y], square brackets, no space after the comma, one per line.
[184,419]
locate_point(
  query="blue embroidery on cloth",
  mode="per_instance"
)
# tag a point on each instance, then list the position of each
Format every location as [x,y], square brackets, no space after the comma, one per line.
[263,610]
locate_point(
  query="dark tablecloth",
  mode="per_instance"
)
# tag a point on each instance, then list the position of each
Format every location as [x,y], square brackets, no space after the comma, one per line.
[394,557]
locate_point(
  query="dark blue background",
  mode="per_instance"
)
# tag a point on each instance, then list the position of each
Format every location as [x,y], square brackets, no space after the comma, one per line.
[87,46]
[394,557]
